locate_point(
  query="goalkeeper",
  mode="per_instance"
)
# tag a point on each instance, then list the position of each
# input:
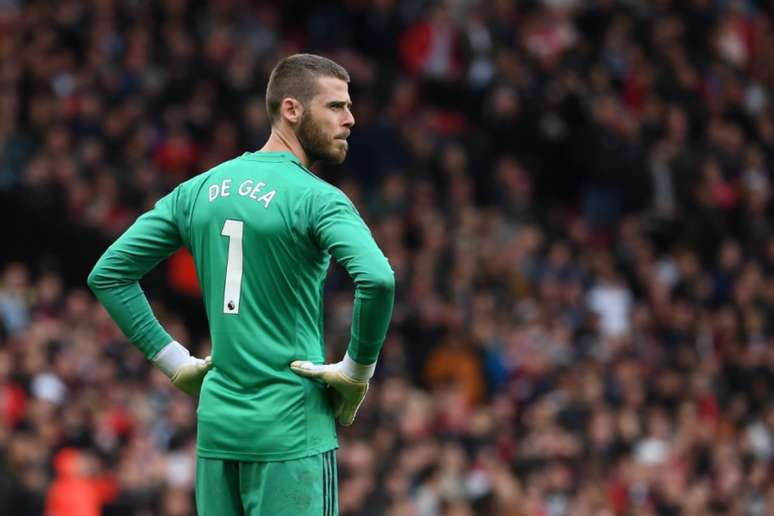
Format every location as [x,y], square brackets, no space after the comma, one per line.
[262,228]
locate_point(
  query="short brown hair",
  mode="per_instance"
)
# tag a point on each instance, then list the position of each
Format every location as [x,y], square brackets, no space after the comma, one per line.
[296,76]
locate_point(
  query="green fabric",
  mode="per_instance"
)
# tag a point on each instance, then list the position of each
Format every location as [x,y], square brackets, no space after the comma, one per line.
[301,487]
[114,279]
[252,407]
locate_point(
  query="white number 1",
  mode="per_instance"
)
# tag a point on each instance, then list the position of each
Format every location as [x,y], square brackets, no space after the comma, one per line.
[233,229]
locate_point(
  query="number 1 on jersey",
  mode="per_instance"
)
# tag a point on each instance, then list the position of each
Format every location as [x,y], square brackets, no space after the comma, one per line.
[233,229]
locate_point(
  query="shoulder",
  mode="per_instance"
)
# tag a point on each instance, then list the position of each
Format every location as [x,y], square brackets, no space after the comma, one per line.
[327,196]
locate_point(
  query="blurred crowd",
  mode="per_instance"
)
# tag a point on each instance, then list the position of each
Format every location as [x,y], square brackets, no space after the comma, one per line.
[575,197]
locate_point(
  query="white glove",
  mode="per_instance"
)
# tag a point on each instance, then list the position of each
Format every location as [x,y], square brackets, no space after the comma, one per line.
[185,371]
[348,379]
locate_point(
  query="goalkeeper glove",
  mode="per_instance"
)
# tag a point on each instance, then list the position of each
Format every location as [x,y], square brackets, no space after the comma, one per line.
[185,372]
[348,379]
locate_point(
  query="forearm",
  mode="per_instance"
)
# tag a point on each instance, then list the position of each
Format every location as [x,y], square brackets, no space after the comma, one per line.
[372,311]
[340,231]
[126,303]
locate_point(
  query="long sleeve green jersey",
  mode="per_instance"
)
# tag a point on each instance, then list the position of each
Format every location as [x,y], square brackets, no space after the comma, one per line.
[262,230]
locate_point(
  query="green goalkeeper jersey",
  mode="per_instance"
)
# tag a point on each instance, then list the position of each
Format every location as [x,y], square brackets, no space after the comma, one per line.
[261,229]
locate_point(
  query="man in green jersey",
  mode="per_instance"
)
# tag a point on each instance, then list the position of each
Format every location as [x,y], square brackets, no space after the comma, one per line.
[262,228]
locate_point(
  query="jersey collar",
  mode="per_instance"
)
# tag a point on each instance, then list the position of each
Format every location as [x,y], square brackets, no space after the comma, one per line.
[273,156]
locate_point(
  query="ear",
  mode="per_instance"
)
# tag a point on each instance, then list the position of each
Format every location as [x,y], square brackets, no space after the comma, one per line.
[291,110]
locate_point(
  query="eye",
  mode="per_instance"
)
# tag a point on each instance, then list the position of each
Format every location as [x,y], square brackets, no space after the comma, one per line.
[338,106]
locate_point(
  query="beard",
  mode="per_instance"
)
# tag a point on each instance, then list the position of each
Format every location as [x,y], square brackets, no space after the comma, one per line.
[317,145]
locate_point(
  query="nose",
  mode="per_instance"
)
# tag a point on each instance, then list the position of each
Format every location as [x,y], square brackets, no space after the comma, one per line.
[349,120]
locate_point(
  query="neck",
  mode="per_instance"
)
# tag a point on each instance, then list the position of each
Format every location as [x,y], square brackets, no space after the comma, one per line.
[285,140]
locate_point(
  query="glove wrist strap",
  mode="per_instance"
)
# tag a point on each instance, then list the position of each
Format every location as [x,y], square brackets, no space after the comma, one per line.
[355,370]
[171,357]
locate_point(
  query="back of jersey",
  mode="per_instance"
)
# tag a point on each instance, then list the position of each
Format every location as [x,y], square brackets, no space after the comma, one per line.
[261,272]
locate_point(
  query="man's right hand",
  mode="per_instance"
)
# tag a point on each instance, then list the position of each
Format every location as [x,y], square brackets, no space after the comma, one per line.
[348,392]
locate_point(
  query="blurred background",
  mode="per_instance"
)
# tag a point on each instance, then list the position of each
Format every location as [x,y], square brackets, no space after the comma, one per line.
[575,197]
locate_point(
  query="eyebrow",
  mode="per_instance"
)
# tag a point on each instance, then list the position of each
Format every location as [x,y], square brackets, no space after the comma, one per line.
[337,103]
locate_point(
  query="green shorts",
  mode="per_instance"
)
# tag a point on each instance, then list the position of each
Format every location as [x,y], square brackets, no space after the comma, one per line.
[298,487]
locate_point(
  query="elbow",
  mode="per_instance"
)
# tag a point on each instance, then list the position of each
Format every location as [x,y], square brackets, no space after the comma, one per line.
[383,281]
[109,272]
[101,276]
[95,279]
